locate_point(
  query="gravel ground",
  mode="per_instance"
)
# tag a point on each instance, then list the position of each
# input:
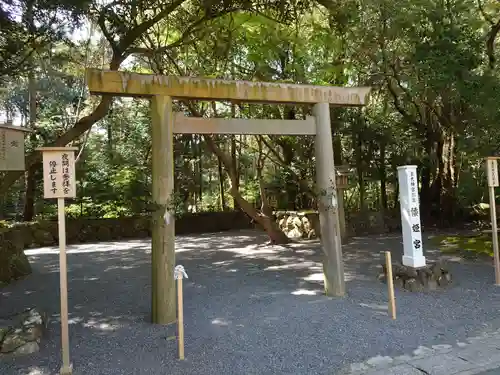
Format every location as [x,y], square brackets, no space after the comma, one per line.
[491,372]
[249,309]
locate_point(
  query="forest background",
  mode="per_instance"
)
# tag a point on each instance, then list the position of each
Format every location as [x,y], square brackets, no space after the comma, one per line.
[432,65]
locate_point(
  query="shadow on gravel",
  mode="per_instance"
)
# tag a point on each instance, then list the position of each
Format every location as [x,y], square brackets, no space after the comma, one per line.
[249,308]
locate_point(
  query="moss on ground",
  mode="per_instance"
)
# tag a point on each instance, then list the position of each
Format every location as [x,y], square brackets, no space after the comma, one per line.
[467,246]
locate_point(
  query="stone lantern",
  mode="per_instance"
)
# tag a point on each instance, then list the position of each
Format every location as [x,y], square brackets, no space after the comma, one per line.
[342,181]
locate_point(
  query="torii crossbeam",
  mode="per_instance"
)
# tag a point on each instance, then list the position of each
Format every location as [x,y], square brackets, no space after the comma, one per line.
[133,84]
[162,89]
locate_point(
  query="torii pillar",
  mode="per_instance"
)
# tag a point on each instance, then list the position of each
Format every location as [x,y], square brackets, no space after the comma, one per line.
[161,90]
[163,307]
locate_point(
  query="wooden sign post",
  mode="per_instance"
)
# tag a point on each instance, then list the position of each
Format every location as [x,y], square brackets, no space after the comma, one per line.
[12,147]
[493,181]
[59,182]
[179,274]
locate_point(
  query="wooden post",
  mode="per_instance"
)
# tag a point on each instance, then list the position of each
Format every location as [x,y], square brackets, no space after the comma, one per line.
[342,223]
[66,368]
[59,182]
[180,323]
[492,172]
[494,233]
[163,231]
[333,264]
[390,285]
[179,274]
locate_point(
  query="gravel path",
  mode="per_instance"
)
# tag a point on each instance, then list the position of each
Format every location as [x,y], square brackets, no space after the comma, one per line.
[249,309]
[491,372]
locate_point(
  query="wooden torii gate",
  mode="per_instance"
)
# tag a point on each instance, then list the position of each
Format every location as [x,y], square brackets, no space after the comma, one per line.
[162,89]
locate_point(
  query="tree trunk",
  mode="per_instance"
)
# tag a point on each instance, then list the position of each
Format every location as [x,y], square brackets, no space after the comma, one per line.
[276,235]
[447,165]
[268,223]
[29,200]
[236,170]
[359,170]
[221,187]
[200,172]
[234,159]
[290,183]
[31,181]
[109,130]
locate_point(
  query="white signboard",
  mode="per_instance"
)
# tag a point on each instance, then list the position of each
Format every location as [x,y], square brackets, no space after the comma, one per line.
[59,172]
[12,148]
[410,216]
[492,169]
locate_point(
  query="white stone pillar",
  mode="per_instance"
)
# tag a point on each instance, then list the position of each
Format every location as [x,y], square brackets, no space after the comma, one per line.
[333,265]
[410,216]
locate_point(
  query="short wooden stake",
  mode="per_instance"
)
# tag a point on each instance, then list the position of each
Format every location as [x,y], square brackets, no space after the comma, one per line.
[390,285]
[179,274]
[180,318]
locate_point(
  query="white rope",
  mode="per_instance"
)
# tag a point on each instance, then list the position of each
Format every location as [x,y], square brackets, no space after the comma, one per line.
[180,272]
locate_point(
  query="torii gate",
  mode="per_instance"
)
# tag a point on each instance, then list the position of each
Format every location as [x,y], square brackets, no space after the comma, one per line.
[162,89]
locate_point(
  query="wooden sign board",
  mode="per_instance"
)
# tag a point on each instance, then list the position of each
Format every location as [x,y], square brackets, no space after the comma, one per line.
[12,148]
[492,170]
[59,172]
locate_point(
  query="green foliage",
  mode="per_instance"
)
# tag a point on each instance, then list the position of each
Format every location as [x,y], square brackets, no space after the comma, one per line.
[434,100]
[42,23]
[467,246]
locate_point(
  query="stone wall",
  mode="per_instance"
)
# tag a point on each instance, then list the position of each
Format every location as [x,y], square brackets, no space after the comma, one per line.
[15,238]
[306,224]
[299,224]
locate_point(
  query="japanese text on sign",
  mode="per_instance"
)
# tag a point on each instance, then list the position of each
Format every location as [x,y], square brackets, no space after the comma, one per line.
[414,211]
[65,171]
[416,244]
[492,170]
[59,174]
[413,187]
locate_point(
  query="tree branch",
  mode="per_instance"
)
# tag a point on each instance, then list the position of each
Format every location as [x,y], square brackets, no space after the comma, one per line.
[130,37]
[484,14]
[490,44]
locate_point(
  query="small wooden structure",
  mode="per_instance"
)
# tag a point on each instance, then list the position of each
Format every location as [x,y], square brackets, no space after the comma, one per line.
[12,147]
